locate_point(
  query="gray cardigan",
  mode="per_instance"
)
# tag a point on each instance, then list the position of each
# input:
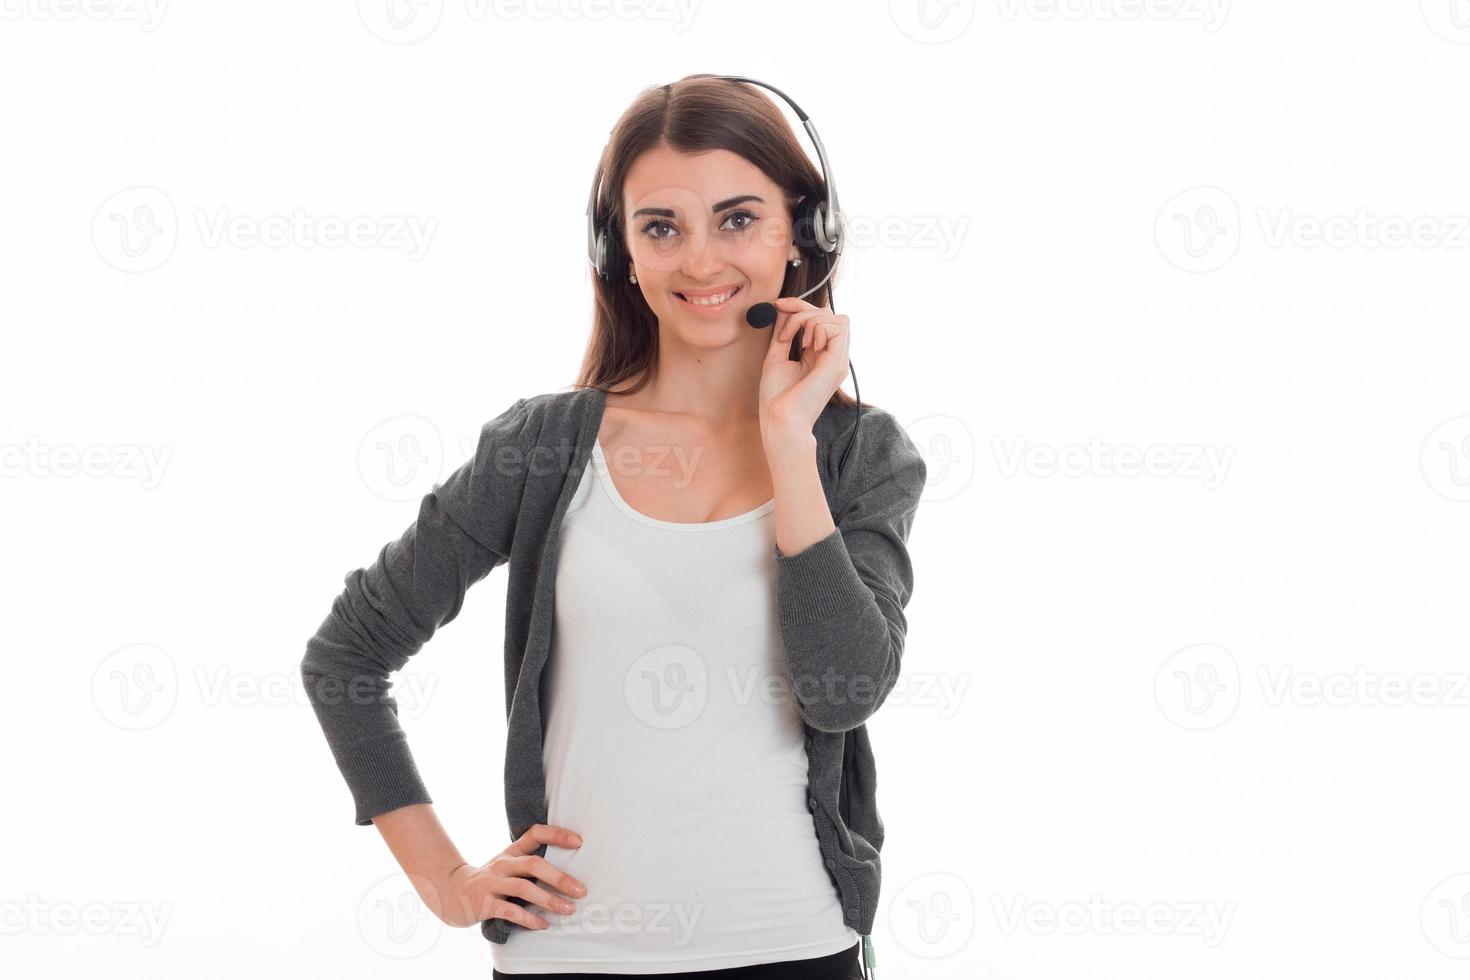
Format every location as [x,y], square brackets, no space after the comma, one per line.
[840,610]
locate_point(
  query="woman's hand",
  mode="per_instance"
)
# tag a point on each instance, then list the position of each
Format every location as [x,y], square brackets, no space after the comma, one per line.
[793,393]
[473,895]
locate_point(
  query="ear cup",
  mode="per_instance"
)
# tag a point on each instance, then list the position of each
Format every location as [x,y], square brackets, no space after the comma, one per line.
[599,251]
[826,228]
[814,229]
[804,226]
[608,256]
[616,261]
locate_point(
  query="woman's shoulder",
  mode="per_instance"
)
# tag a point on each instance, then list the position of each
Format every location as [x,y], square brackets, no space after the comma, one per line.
[548,414]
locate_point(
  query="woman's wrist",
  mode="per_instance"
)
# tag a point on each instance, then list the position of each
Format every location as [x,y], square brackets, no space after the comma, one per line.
[788,446]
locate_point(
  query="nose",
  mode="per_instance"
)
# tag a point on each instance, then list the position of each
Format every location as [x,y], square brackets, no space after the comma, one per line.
[704,258]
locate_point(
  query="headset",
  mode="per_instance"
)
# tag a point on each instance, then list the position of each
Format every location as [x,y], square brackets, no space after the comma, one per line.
[823,217]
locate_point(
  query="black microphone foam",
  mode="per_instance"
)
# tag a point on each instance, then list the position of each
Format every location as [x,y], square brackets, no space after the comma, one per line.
[761,315]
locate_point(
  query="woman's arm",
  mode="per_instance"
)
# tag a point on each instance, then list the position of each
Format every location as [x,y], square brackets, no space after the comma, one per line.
[391,608]
[461,894]
[842,587]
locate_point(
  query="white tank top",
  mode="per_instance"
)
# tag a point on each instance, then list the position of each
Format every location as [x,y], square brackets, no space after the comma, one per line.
[673,747]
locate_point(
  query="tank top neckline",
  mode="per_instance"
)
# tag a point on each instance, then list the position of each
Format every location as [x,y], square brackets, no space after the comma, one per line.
[604,476]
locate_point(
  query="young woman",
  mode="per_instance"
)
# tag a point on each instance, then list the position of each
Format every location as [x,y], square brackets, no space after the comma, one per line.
[708,571]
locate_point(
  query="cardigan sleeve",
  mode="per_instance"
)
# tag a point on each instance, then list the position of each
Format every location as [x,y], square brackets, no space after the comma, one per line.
[841,599]
[392,607]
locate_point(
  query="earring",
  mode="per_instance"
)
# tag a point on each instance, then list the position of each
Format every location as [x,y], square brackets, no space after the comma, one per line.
[632,277]
[796,262]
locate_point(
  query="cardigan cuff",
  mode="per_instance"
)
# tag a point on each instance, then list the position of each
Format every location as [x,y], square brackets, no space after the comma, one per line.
[384,778]
[818,582]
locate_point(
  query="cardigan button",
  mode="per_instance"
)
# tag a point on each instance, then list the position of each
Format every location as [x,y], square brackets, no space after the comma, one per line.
[852,915]
[811,803]
[831,863]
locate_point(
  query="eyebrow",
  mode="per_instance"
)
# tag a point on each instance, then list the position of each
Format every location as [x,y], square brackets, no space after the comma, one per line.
[724,205]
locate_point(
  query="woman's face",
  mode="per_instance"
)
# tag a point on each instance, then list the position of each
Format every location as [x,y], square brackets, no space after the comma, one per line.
[700,225]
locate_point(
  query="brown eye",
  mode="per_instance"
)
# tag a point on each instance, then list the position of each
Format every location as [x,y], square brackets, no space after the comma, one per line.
[740,214]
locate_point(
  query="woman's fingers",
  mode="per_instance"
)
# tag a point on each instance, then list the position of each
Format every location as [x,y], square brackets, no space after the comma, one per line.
[544,833]
[517,884]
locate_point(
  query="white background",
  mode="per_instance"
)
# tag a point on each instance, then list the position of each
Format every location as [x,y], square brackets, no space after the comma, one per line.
[1224,694]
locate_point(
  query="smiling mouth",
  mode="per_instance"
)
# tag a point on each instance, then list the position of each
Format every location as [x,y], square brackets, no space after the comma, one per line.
[711,302]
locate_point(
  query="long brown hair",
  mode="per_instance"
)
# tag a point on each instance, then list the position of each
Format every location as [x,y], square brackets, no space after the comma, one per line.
[696,113]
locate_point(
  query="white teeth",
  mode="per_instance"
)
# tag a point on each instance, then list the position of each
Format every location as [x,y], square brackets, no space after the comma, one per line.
[715,300]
